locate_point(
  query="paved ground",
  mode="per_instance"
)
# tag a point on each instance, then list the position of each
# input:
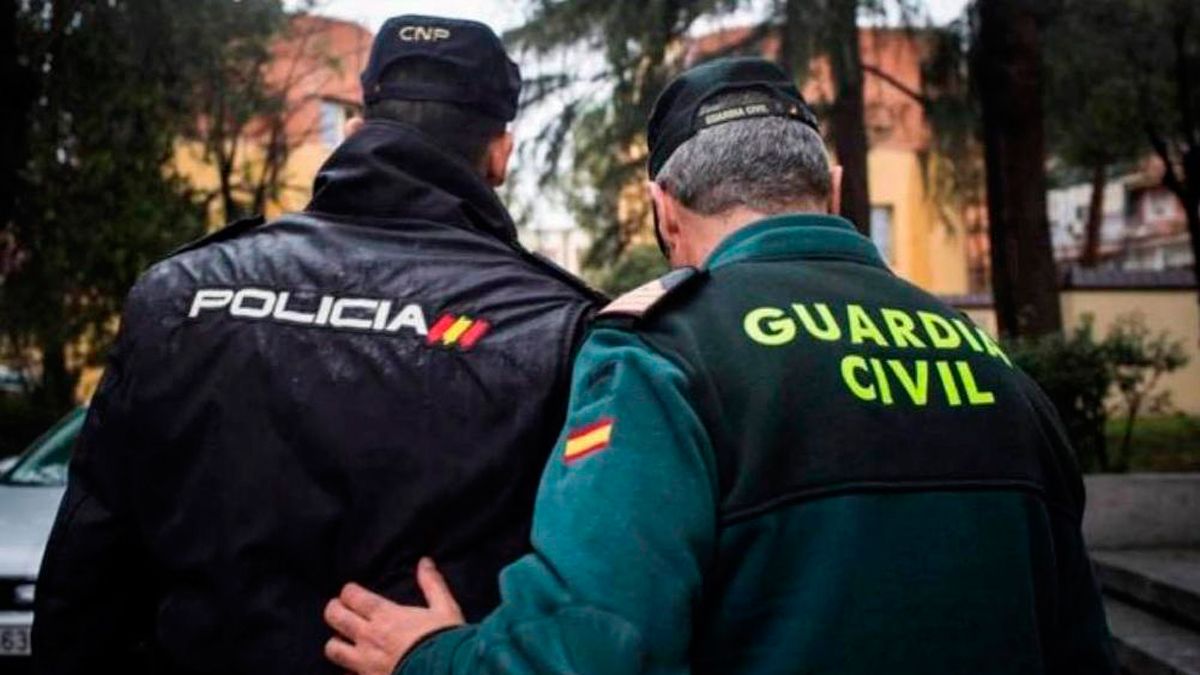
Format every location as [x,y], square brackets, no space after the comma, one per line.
[1153,603]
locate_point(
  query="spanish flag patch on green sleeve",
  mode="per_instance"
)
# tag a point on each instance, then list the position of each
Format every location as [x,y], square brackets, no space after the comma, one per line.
[587,440]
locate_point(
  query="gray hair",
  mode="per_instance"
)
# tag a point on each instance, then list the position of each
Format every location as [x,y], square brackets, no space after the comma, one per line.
[768,164]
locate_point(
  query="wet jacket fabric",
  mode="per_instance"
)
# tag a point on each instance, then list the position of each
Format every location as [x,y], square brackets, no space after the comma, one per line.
[294,405]
[792,461]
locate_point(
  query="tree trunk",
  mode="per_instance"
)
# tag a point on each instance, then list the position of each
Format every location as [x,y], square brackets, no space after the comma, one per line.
[1192,205]
[847,118]
[57,392]
[1095,219]
[1186,188]
[1008,65]
[14,110]
[9,121]
[1185,185]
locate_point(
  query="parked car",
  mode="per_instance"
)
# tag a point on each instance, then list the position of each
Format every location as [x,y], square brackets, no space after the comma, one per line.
[12,381]
[30,490]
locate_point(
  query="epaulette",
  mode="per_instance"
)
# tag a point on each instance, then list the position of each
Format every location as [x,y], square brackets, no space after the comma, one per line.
[639,302]
[230,231]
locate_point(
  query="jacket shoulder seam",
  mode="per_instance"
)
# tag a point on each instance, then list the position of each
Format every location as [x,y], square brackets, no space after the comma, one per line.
[643,300]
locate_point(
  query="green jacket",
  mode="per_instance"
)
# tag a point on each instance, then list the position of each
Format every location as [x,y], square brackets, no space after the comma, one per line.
[794,462]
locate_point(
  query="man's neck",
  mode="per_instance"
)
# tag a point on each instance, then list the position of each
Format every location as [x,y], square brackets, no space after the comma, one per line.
[712,230]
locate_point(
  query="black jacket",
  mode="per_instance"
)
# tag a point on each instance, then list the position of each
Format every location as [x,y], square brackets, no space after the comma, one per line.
[299,404]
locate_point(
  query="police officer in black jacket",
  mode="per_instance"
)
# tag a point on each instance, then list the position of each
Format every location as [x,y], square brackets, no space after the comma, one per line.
[324,397]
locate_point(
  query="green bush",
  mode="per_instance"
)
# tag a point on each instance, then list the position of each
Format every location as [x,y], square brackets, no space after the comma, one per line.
[1074,372]
[1090,381]
[1139,359]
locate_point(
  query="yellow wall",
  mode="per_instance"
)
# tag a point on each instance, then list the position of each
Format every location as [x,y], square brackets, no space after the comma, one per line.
[924,250]
[296,182]
[985,318]
[1173,311]
[301,169]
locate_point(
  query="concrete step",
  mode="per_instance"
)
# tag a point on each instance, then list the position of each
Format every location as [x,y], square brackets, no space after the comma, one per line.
[1164,582]
[1148,645]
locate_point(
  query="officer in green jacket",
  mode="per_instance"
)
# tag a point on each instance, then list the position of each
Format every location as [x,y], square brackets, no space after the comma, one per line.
[779,458]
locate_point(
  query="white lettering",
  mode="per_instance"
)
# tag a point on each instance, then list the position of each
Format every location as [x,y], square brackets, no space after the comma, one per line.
[354,313]
[381,316]
[209,298]
[323,311]
[282,312]
[409,317]
[239,307]
[424,34]
[339,319]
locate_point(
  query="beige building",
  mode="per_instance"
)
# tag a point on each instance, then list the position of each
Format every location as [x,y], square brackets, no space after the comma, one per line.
[1143,225]
[315,66]
[921,235]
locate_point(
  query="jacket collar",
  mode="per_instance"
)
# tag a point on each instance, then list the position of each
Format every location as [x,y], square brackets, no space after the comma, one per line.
[796,236]
[391,171]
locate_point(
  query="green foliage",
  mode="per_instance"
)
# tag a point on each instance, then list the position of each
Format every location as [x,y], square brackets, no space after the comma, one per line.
[953,164]
[1160,443]
[594,150]
[111,87]
[242,86]
[1139,359]
[1091,380]
[1123,81]
[1092,115]
[1074,371]
[639,264]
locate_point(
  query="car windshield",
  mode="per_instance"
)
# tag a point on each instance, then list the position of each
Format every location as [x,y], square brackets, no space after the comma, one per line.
[45,461]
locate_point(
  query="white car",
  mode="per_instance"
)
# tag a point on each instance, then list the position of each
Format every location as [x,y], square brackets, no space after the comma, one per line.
[12,381]
[30,490]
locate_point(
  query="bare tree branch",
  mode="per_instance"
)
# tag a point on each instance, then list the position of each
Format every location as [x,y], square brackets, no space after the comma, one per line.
[890,79]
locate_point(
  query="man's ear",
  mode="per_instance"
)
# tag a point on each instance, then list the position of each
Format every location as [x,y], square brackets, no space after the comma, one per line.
[666,211]
[499,152]
[352,126]
[835,190]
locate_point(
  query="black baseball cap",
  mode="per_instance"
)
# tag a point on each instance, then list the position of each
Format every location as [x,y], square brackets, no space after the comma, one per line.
[484,79]
[676,117]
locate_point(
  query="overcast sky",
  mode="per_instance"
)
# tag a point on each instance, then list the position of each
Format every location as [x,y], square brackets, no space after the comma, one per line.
[501,14]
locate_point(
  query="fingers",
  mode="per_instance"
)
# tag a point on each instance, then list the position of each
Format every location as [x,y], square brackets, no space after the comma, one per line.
[437,592]
[343,654]
[361,601]
[343,620]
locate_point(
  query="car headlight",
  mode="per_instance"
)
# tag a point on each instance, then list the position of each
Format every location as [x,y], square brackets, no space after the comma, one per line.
[23,594]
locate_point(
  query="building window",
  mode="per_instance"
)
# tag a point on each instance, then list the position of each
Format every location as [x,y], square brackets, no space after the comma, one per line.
[1160,206]
[334,115]
[881,231]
